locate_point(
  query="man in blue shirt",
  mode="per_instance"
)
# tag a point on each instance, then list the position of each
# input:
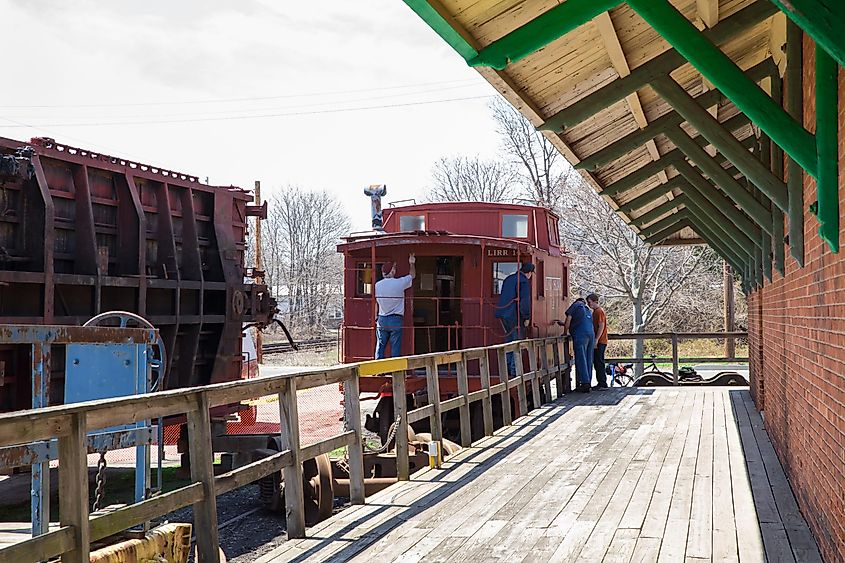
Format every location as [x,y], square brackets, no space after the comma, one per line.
[514,309]
[579,325]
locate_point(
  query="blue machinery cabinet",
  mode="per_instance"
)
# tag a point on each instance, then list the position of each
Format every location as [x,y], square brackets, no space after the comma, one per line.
[99,363]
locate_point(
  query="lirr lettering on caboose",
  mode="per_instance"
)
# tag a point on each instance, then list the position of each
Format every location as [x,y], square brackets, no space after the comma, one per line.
[495,252]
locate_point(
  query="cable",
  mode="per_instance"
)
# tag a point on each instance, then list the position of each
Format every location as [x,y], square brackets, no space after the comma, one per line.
[238,117]
[96,146]
[229,100]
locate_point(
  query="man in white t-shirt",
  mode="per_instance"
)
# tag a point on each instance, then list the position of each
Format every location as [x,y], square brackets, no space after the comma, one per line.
[390,294]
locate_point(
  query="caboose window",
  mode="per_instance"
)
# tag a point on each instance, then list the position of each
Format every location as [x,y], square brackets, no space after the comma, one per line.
[412,222]
[364,284]
[501,270]
[554,236]
[515,226]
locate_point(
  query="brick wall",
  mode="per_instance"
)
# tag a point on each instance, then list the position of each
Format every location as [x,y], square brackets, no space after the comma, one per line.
[797,351]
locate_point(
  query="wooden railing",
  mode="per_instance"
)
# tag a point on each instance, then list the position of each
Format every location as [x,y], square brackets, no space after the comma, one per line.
[675,338]
[547,359]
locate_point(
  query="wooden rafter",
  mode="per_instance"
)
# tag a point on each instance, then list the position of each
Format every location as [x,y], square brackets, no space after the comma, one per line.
[708,11]
[617,57]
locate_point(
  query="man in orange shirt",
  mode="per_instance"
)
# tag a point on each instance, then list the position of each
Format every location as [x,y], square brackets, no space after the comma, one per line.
[600,327]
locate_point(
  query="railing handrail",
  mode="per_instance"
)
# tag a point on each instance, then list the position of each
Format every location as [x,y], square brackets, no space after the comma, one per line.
[71,423]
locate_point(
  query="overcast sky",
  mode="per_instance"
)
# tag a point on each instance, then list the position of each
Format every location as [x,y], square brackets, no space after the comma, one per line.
[170,84]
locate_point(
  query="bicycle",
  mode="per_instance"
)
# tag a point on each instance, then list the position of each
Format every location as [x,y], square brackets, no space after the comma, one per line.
[623,374]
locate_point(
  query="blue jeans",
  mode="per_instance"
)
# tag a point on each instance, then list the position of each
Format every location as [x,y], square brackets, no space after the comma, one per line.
[513,331]
[583,345]
[389,327]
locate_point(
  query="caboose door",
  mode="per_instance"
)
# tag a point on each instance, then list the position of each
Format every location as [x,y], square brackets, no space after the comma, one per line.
[437,312]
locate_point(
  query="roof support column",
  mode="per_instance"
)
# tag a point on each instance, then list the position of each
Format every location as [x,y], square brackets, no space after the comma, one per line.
[778,242]
[764,151]
[827,143]
[823,20]
[795,107]
[681,221]
[719,69]
[654,193]
[703,221]
[724,250]
[664,223]
[722,178]
[659,211]
[723,140]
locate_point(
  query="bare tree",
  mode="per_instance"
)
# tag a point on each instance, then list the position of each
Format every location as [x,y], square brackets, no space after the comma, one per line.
[546,174]
[463,178]
[613,260]
[299,239]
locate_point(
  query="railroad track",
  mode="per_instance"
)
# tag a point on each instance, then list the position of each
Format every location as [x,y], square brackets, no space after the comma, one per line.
[313,344]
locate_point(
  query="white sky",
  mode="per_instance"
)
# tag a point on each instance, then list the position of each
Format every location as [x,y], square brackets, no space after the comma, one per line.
[155,81]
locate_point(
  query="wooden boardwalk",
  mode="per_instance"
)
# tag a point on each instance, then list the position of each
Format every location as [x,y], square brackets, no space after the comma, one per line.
[658,474]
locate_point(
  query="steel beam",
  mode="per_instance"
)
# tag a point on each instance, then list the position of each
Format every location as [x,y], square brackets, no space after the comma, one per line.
[719,69]
[723,140]
[539,32]
[721,177]
[823,20]
[795,107]
[661,65]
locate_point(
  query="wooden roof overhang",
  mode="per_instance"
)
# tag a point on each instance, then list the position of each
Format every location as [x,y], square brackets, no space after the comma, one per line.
[672,110]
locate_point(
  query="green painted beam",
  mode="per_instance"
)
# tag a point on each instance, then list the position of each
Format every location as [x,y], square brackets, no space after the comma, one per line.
[661,65]
[644,199]
[723,140]
[634,140]
[659,211]
[670,229]
[716,231]
[539,32]
[725,251]
[642,174]
[663,223]
[777,155]
[823,20]
[795,107]
[442,27]
[735,224]
[827,140]
[721,178]
[717,67]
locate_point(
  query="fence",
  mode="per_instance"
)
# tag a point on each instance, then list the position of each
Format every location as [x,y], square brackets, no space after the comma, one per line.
[70,424]
[675,338]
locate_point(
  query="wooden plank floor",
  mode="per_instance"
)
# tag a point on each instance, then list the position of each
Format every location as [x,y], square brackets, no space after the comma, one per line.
[621,475]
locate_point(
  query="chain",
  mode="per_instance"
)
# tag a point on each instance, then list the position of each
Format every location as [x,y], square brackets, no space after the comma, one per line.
[101,482]
[391,434]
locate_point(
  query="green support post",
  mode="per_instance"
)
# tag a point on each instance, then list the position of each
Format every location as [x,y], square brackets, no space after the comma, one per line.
[714,65]
[704,219]
[721,177]
[722,139]
[778,242]
[734,223]
[661,65]
[663,223]
[764,150]
[539,32]
[661,235]
[642,174]
[827,139]
[724,250]
[823,20]
[795,107]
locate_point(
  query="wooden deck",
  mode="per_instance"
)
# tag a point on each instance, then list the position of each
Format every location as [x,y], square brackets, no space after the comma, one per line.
[622,475]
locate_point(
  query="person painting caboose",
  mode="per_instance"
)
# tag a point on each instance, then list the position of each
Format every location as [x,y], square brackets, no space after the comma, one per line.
[390,295]
[514,309]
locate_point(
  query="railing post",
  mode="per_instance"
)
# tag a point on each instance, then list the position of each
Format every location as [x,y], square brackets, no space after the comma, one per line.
[547,376]
[521,391]
[433,386]
[294,499]
[73,488]
[675,366]
[556,358]
[486,402]
[202,471]
[400,409]
[463,391]
[535,376]
[352,408]
[507,415]
[567,372]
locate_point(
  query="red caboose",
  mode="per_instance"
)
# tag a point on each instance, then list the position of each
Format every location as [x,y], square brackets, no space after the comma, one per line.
[464,251]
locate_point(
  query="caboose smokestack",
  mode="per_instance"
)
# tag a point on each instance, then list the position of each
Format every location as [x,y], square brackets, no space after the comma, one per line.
[375,193]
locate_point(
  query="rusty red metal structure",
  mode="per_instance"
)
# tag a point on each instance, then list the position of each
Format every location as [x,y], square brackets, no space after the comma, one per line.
[463,253]
[83,233]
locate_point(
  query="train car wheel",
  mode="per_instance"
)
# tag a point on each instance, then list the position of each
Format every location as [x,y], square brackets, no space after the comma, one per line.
[318,489]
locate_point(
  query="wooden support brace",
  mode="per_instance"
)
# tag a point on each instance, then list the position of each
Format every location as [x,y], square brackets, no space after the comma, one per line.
[352,420]
[400,410]
[464,411]
[505,396]
[202,471]
[795,107]
[289,437]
